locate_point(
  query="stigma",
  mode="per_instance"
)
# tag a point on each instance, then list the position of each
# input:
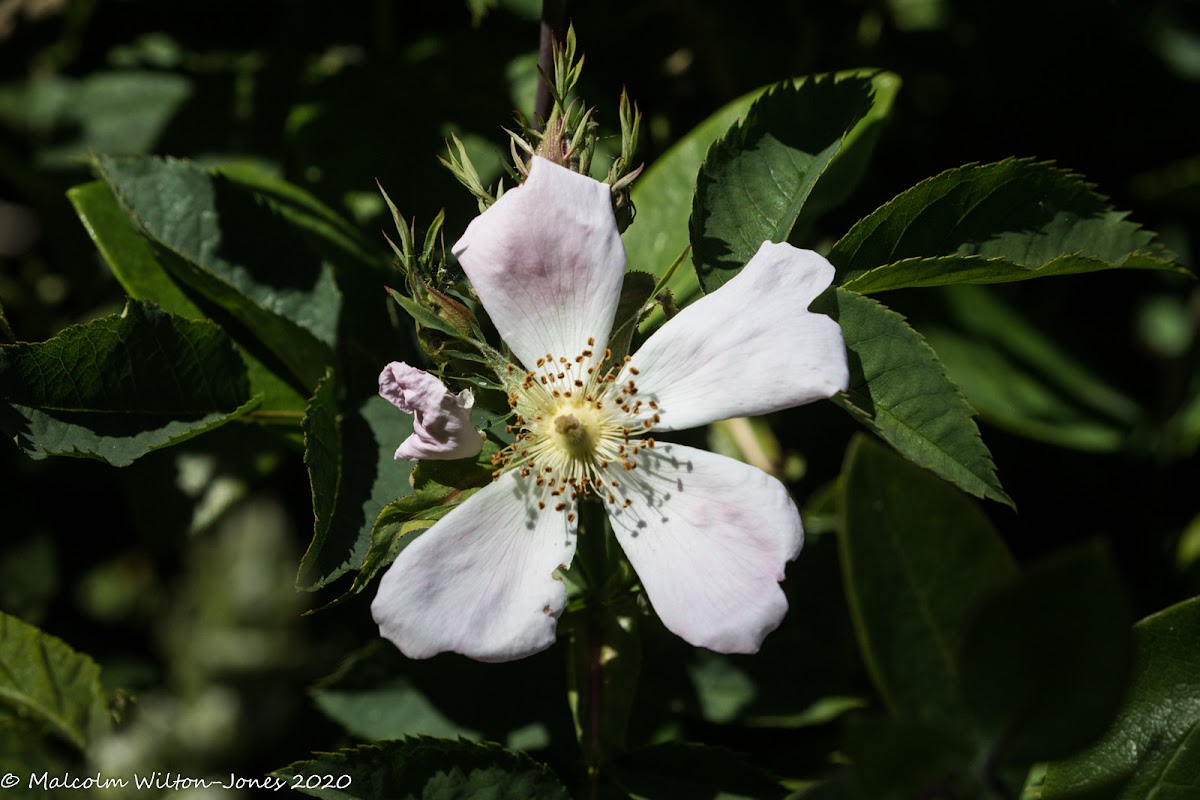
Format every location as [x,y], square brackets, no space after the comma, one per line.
[579,426]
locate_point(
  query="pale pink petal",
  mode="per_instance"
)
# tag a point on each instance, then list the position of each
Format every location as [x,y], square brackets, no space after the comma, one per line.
[481,581]
[748,348]
[547,262]
[709,538]
[442,427]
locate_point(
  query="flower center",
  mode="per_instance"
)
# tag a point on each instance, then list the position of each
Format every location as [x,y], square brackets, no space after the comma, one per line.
[575,436]
[577,430]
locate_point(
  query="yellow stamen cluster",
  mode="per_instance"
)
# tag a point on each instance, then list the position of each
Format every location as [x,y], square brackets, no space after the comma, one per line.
[574,427]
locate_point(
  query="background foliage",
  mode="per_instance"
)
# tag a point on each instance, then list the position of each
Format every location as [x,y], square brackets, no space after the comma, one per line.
[942,659]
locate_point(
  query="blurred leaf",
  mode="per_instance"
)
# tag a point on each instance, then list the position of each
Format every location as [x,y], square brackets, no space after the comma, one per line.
[46,683]
[25,754]
[697,772]
[755,181]
[432,769]
[132,260]
[121,386]
[917,556]
[1152,750]
[992,223]
[120,112]
[1045,660]
[379,694]
[1022,380]
[222,240]
[900,390]
[367,478]
[663,194]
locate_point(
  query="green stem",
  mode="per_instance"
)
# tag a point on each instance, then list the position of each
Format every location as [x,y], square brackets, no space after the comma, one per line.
[604,646]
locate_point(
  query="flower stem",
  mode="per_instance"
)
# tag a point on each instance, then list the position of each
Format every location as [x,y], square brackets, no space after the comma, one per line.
[604,647]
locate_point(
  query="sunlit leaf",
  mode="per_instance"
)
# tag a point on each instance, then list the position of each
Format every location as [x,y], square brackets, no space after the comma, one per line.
[131,257]
[222,240]
[992,223]
[756,181]
[663,194]
[121,386]
[900,390]
[1152,750]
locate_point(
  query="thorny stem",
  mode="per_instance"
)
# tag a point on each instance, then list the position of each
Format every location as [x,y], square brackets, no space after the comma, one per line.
[554,33]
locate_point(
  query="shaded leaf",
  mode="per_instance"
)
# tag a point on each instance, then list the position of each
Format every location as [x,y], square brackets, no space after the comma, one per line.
[1152,750]
[900,390]
[46,683]
[323,457]
[674,770]
[1045,660]
[756,180]
[992,223]
[431,769]
[917,555]
[368,479]
[121,386]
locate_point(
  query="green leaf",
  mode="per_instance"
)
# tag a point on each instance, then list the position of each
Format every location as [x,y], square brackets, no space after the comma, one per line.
[132,259]
[675,770]
[46,683]
[1152,750]
[128,253]
[117,111]
[323,457]
[365,479]
[663,194]
[121,386]
[917,555]
[755,182]
[992,223]
[430,769]
[1022,380]
[900,390]
[1045,661]
[226,242]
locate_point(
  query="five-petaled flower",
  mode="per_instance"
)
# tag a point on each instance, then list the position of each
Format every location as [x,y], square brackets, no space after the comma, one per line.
[708,536]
